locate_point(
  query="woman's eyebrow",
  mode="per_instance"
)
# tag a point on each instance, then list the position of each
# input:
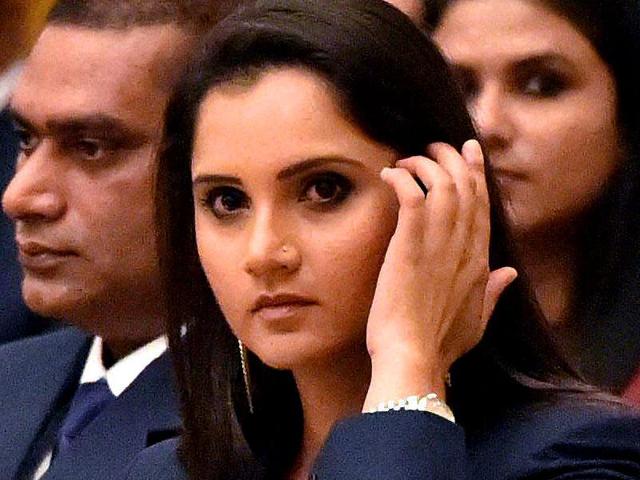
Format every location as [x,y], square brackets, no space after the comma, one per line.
[315,162]
[288,172]
[542,59]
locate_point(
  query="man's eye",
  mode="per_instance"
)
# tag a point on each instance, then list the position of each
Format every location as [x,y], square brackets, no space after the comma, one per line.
[90,149]
[26,141]
[225,201]
[327,189]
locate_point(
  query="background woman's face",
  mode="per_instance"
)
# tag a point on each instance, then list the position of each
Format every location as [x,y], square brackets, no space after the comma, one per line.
[545,104]
[292,219]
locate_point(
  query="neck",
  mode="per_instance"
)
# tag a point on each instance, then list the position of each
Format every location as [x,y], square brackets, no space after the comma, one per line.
[549,260]
[124,332]
[328,392]
[117,349]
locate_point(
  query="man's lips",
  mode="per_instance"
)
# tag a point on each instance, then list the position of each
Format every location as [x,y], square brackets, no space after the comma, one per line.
[38,256]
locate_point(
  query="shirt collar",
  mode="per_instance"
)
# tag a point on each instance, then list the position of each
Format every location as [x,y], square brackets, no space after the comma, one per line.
[124,371]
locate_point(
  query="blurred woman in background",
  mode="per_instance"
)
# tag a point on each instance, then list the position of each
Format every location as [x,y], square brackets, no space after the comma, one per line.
[553,88]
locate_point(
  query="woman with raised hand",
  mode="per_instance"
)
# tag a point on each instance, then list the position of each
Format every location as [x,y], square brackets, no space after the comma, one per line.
[553,88]
[325,226]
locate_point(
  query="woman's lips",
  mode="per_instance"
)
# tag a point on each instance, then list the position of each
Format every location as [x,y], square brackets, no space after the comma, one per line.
[280,306]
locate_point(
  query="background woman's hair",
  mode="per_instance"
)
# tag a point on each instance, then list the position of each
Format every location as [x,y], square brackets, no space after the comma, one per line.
[392,82]
[603,331]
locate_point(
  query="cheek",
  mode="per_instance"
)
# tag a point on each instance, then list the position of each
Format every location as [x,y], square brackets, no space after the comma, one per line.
[213,254]
[220,259]
[570,158]
[582,151]
[352,260]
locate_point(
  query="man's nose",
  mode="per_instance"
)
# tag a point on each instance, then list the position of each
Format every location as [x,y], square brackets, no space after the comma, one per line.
[33,193]
[271,246]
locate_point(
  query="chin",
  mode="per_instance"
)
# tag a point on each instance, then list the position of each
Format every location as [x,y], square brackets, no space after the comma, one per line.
[53,300]
[294,352]
[284,352]
[280,361]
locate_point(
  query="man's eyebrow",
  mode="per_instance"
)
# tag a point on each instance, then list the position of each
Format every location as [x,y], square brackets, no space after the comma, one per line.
[18,120]
[100,124]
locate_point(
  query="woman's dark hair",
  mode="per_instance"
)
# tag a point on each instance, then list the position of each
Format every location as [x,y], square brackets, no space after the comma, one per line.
[390,80]
[603,329]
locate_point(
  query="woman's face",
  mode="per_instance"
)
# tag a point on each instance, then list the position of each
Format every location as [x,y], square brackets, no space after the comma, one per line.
[544,102]
[292,219]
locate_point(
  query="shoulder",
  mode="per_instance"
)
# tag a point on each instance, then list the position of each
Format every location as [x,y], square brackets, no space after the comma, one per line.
[159,462]
[50,361]
[573,440]
[68,340]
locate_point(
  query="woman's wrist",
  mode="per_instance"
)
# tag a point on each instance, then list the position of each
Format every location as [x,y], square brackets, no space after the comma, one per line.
[396,377]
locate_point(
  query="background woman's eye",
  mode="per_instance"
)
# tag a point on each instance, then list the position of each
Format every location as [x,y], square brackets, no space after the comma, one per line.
[543,85]
[466,80]
[327,188]
[226,201]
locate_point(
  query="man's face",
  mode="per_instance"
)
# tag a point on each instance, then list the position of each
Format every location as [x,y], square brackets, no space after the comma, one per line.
[89,110]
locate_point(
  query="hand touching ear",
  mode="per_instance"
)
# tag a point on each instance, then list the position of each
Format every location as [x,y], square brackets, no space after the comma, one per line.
[435,292]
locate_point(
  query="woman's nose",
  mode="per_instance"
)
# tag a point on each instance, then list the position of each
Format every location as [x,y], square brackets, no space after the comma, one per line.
[271,247]
[490,113]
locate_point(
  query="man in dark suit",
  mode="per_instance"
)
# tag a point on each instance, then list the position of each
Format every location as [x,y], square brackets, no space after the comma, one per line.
[80,402]
[16,320]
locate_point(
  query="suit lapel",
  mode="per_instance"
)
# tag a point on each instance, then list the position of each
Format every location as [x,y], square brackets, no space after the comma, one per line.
[37,377]
[147,411]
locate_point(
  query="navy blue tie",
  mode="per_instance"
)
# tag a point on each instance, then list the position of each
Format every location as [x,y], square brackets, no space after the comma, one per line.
[89,400]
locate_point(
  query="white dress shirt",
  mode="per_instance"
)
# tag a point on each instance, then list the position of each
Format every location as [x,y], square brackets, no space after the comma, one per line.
[119,376]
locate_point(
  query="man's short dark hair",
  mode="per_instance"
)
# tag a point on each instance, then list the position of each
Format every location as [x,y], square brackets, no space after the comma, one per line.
[193,15]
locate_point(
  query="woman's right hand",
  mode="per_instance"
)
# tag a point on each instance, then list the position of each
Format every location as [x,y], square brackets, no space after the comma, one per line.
[435,292]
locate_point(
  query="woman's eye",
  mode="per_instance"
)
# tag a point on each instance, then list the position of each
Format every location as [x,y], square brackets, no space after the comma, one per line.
[467,82]
[225,201]
[328,188]
[543,85]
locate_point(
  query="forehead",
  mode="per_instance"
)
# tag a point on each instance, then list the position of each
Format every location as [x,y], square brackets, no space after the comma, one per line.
[74,71]
[254,124]
[496,29]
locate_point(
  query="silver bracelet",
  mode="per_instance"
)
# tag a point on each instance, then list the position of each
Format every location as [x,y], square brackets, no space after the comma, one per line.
[428,403]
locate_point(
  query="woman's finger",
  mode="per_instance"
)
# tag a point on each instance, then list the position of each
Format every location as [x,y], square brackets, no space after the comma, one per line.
[498,281]
[441,205]
[464,179]
[411,200]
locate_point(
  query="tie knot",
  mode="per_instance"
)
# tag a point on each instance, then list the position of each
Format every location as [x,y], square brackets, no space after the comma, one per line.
[89,400]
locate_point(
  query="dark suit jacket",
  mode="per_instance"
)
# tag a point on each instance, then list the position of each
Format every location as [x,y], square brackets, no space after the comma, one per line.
[16,320]
[38,377]
[535,443]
